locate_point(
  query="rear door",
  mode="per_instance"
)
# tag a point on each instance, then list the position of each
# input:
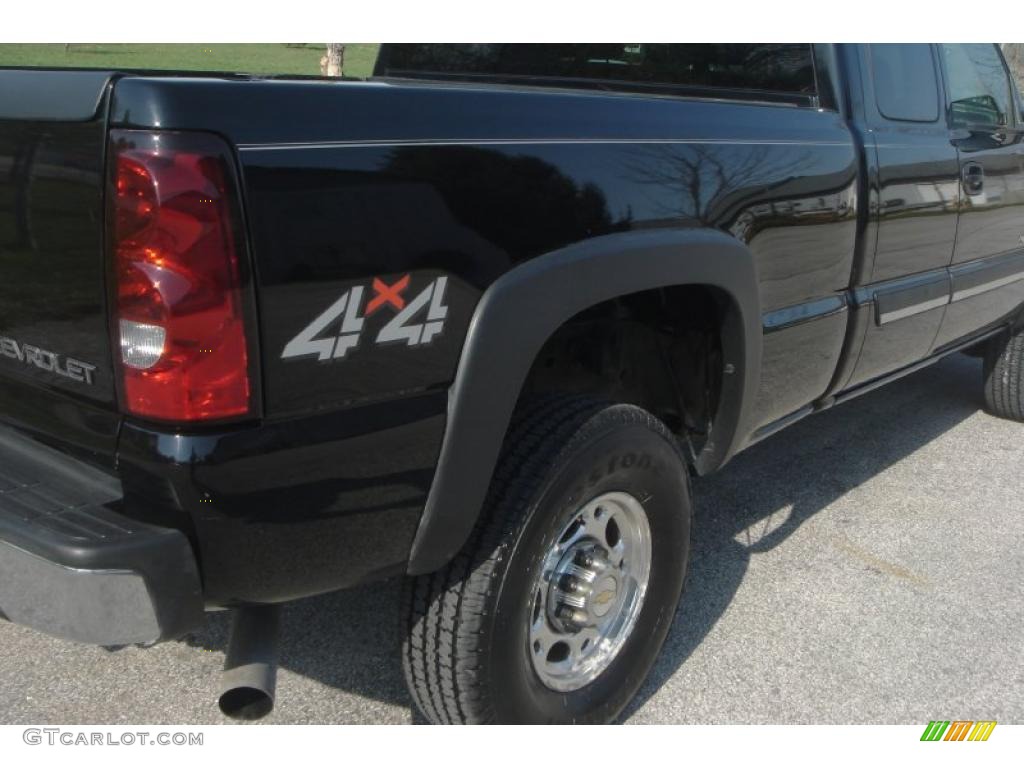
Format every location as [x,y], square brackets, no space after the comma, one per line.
[986,129]
[913,197]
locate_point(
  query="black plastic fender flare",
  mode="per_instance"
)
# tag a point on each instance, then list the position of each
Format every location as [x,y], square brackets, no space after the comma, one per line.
[521,310]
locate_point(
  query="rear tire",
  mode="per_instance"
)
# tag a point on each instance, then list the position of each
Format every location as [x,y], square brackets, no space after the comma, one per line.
[491,637]
[1004,376]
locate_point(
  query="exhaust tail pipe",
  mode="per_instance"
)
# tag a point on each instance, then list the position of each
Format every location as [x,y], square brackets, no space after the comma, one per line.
[250,667]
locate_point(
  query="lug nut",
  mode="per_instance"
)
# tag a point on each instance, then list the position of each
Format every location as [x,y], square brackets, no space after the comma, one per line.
[571,615]
[569,583]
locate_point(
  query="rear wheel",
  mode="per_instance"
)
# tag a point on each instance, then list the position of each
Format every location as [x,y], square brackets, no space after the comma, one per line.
[1004,376]
[558,604]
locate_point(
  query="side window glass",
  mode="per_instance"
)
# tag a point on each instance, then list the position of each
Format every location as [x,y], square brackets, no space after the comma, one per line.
[906,87]
[979,88]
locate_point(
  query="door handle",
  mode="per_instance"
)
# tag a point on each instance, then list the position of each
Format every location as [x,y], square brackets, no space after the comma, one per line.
[974,178]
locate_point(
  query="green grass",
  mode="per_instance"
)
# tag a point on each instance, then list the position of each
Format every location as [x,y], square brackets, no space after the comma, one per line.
[255,58]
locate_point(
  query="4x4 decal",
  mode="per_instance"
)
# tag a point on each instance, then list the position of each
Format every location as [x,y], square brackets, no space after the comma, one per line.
[407,325]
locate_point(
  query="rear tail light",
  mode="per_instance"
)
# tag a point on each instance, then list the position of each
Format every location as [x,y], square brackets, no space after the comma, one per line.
[178,309]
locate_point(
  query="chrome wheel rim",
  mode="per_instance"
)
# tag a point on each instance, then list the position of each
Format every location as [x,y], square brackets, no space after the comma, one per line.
[590,591]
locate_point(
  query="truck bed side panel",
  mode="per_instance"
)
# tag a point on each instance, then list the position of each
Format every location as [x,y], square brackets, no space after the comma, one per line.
[350,182]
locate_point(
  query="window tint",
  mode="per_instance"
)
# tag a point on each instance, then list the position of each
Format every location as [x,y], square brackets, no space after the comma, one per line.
[784,68]
[905,84]
[979,89]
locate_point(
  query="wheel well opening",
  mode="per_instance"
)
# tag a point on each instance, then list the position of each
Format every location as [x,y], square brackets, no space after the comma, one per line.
[660,349]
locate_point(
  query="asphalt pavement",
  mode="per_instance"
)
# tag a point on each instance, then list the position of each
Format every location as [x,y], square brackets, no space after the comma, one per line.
[864,566]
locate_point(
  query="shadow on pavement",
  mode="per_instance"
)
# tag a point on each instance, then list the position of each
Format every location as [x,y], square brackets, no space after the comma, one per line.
[764,495]
[350,640]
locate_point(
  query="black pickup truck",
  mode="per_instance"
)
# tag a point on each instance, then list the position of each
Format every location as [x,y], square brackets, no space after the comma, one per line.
[473,321]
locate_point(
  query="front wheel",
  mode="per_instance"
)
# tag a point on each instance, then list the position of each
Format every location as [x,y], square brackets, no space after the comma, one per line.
[557,606]
[1004,376]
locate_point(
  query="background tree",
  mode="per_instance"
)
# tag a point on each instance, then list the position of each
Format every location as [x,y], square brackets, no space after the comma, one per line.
[331,64]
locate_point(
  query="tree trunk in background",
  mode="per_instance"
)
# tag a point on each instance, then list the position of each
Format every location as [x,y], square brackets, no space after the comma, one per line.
[1014,53]
[332,63]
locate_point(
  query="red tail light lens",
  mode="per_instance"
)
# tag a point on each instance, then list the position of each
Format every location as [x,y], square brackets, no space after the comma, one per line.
[178,309]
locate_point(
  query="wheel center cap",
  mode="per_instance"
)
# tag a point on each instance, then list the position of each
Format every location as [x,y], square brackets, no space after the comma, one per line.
[604,596]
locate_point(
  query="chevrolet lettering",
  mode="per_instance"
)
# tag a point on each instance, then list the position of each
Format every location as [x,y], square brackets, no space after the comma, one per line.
[68,367]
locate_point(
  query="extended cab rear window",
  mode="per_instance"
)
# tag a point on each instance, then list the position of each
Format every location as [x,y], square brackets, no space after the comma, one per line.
[760,70]
[906,86]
